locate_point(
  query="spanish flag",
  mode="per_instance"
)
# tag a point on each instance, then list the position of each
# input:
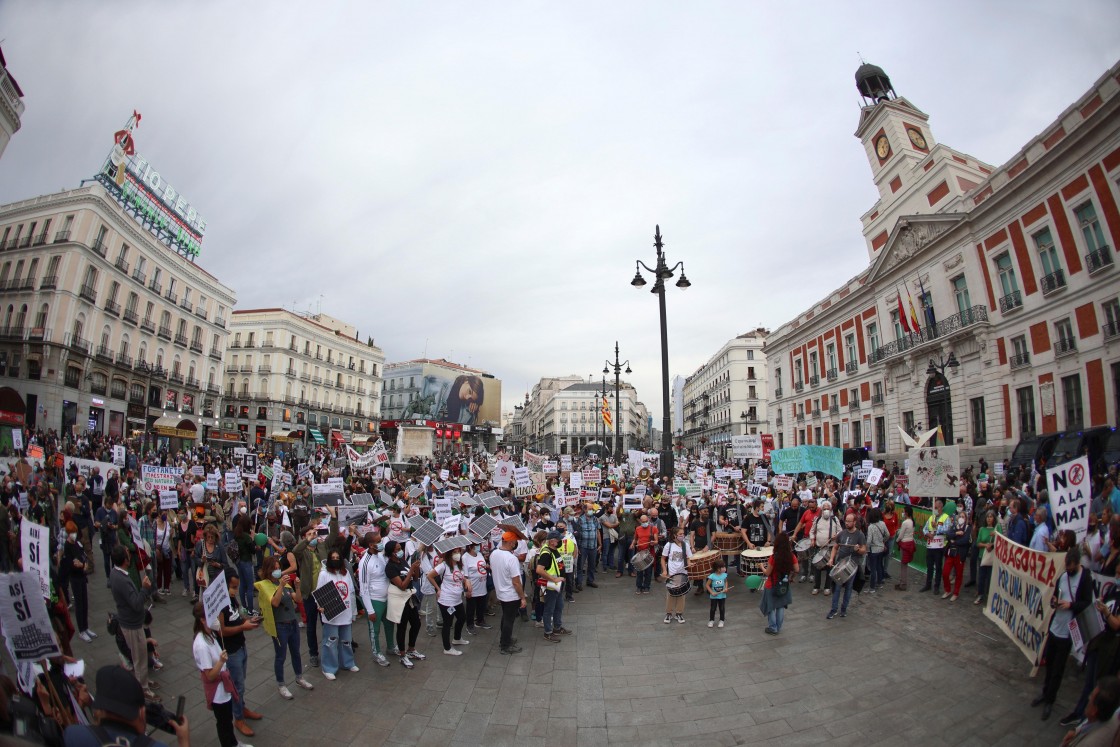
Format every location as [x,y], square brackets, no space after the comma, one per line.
[917,328]
[607,414]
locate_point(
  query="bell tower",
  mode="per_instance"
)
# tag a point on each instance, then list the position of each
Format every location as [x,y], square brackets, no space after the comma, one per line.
[895,133]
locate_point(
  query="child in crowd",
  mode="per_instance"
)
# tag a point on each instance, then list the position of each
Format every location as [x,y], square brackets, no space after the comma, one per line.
[716,586]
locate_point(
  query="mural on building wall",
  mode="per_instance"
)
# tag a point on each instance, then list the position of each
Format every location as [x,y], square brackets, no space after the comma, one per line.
[469,399]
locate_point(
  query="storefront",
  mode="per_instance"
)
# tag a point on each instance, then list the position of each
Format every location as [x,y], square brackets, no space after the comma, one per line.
[173,432]
[224,439]
[317,436]
[12,416]
[96,421]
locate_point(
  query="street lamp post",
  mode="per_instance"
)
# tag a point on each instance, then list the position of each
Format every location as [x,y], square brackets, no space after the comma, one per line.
[662,272]
[617,367]
[599,408]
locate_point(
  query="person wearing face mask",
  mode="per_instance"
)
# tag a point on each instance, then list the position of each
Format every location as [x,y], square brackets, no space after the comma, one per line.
[336,650]
[73,566]
[281,621]
[451,582]
[850,542]
[374,587]
[182,541]
[162,550]
[246,551]
[958,537]
[609,523]
[233,621]
[823,534]
[401,574]
[645,540]
[477,570]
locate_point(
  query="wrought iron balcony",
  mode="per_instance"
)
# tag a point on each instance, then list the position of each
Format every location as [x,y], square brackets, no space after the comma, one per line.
[778,393]
[1022,360]
[100,247]
[112,307]
[62,236]
[196,346]
[88,293]
[832,374]
[175,377]
[122,265]
[264,369]
[853,405]
[946,327]
[193,382]
[50,281]
[834,409]
[220,322]
[877,399]
[104,353]
[148,325]
[155,287]
[798,386]
[851,367]
[200,311]
[181,340]
[814,380]
[172,296]
[123,359]
[165,333]
[1110,330]
[1099,260]
[131,317]
[1010,302]
[215,354]
[290,373]
[1065,346]
[139,277]
[1053,282]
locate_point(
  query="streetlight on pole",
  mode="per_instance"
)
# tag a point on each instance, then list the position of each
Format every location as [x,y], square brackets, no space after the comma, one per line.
[662,272]
[617,366]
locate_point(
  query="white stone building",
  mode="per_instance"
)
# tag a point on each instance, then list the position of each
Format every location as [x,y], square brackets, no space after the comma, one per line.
[300,379]
[563,416]
[725,397]
[1012,274]
[11,105]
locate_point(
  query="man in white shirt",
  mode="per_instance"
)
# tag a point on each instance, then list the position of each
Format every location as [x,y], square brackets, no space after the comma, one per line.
[198,491]
[505,569]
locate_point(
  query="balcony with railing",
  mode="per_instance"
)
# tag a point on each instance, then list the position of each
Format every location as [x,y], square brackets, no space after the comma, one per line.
[88,293]
[832,374]
[112,307]
[165,333]
[1022,360]
[328,384]
[305,377]
[290,373]
[139,277]
[196,346]
[175,377]
[816,413]
[1010,302]
[213,389]
[25,242]
[1098,260]
[131,316]
[193,383]
[799,386]
[62,236]
[99,247]
[780,422]
[778,393]
[877,399]
[200,312]
[186,305]
[853,405]
[147,325]
[800,417]
[104,353]
[263,369]
[77,344]
[12,333]
[1053,282]
[246,368]
[123,359]
[316,379]
[249,343]
[220,322]
[851,367]
[121,264]
[1065,346]
[181,340]
[155,287]
[50,281]
[834,409]
[136,398]
[948,327]
[1110,329]
[215,354]
[814,380]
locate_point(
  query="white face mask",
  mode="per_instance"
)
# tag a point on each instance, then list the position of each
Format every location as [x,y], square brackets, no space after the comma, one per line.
[73,537]
[456,556]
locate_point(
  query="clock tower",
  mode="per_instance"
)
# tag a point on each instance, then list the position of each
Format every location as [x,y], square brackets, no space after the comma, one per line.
[895,133]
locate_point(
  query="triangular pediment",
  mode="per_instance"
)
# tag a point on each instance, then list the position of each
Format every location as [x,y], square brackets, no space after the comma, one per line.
[909,237]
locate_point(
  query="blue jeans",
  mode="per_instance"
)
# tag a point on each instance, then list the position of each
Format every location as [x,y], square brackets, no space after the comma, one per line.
[585,564]
[775,618]
[875,566]
[553,610]
[337,649]
[645,578]
[245,590]
[608,551]
[287,639]
[847,594]
[238,661]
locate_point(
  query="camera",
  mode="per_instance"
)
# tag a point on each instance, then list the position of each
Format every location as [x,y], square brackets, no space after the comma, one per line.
[161,718]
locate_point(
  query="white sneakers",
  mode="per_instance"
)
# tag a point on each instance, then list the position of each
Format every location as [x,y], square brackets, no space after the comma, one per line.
[711,624]
[330,677]
[452,652]
[720,624]
[302,682]
[285,693]
[460,643]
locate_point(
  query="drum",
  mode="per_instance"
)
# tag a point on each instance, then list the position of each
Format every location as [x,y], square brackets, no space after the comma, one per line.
[754,561]
[700,564]
[843,571]
[642,560]
[728,543]
[803,545]
[820,560]
[678,584]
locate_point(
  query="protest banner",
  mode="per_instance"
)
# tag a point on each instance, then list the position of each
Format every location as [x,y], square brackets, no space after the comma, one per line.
[790,461]
[1019,600]
[215,598]
[198,470]
[444,475]
[155,479]
[441,509]
[761,474]
[746,447]
[17,439]
[249,464]
[85,467]
[575,479]
[867,464]
[212,482]
[502,474]
[168,500]
[118,455]
[997,468]
[232,481]
[1070,494]
[327,494]
[550,467]
[566,462]
[735,474]
[336,481]
[360,461]
[692,489]
[783,482]
[380,455]
[811,480]
[631,502]
[935,472]
[36,555]
[348,515]
[592,476]
[303,470]
[23,614]
[521,477]
[875,476]
[451,524]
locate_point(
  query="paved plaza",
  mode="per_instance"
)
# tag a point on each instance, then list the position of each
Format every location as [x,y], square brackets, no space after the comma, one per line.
[902,668]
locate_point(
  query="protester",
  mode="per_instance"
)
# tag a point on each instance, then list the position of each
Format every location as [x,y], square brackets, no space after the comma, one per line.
[506,572]
[233,623]
[281,621]
[777,592]
[716,585]
[217,683]
[674,561]
[401,607]
[451,585]
[1073,592]
[550,575]
[850,543]
[119,715]
[337,649]
[131,603]
[373,585]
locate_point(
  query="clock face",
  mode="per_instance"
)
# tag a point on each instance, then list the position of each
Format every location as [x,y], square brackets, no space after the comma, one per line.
[883,146]
[916,138]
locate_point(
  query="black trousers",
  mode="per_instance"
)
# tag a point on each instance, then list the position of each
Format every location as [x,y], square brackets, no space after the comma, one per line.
[476,611]
[79,593]
[410,618]
[510,611]
[459,613]
[223,714]
[935,559]
[1054,653]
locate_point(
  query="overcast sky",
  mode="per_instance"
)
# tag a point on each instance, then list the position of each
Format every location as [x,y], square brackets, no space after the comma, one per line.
[476,179]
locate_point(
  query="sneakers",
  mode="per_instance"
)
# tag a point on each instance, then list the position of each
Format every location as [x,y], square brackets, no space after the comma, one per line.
[719,624]
[460,642]
[843,613]
[1070,719]
[945,595]
[537,624]
[314,662]
[828,592]
[831,614]
[407,662]
[551,638]
[285,693]
[381,660]
[978,600]
[416,655]
[302,682]
[432,631]
[484,626]
[90,633]
[668,618]
[562,631]
[770,631]
[156,663]
[953,598]
[816,591]
[355,668]
[452,652]
[680,618]
[329,677]
[711,623]
[85,637]
[510,650]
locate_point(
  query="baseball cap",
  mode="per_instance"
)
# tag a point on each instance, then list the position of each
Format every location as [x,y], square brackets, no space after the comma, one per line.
[510,537]
[118,692]
[554,535]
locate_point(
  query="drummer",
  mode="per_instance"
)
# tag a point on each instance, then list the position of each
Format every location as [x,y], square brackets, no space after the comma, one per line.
[700,534]
[674,560]
[850,543]
[756,530]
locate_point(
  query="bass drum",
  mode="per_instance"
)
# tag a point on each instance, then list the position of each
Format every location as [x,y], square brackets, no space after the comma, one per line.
[678,584]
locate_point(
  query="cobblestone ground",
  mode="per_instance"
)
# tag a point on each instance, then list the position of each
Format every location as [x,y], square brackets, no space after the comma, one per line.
[902,668]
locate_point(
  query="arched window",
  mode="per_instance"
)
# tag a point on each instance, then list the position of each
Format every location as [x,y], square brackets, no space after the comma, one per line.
[263,387]
[22,316]
[124,345]
[142,353]
[41,317]
[106,335]
[8,316]
[244,387]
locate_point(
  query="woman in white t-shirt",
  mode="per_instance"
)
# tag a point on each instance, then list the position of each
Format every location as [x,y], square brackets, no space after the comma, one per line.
[373,585]
[427,591]
[474,563]
[451,583]
[336,650]
[217,683]
[674,560]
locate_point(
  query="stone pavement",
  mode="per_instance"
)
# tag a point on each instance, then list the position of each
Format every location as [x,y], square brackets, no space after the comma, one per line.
[902,668]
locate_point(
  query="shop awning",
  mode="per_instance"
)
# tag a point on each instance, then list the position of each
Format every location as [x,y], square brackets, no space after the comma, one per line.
[315,434]
[360,440]
[174,426]
[337,439]
[284,437]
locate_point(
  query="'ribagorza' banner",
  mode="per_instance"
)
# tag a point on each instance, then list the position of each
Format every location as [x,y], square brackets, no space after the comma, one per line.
[1019,598]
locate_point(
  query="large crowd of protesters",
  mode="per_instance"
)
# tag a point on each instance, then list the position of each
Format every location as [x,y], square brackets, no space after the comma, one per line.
[273,547]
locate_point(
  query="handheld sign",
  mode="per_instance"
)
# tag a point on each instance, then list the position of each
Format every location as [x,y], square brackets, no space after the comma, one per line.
[215,598]
[23,614]
[36,557]
[168,499]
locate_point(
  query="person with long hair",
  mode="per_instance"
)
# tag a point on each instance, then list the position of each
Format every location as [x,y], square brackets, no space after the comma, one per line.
[246,551]
[674,561]
[451,582]
[906,545]
[780,570]
[464,401]
[401,574]
[278,596]
[336,649]
[217,683]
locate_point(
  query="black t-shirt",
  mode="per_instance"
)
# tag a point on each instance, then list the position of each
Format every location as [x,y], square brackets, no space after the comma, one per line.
[700,528]
[396,569]
[234,641]
[756,529]
[667,514]
[790,517]
[733,515]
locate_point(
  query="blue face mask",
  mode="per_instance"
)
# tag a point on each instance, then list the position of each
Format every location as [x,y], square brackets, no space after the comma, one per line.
[276,575]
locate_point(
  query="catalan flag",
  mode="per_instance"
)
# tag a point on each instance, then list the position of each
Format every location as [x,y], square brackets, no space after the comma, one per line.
[607,414]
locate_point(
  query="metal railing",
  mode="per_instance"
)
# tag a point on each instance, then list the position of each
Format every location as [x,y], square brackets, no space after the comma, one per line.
[1065,346]
[148,325]
[215,354]
[200,311]
[172,296]
[853,405]
[1055,281]
[947,326]
[877,399]
[1022,360]
[62,236]
[112,307]
[104,353]
[1099,259]
[814,380]
[851,367]
[778,393]
[181,340]
[832,374]
[88,293]
[196,346]
[131,316]
[155,287]
[1110,330]
[164,332]
[123,359]
[122,265]
[139,277]
[50,281]
[1011,301]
